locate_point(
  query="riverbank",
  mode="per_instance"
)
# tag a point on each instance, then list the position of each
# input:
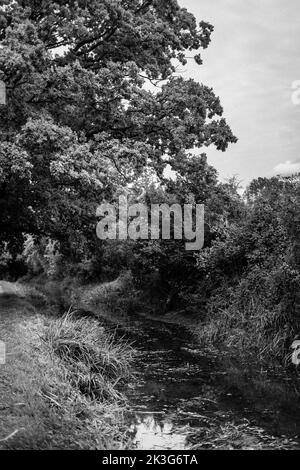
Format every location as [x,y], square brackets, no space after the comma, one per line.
[62,382]
[187,396]
[181,395]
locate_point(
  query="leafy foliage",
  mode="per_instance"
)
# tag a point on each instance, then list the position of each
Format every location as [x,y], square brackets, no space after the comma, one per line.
[253,272]
[80,123]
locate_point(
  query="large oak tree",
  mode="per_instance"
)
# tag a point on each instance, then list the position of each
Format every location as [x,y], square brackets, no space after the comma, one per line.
[81,119]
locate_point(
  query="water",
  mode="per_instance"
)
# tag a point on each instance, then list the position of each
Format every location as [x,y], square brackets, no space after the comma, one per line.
[184,397]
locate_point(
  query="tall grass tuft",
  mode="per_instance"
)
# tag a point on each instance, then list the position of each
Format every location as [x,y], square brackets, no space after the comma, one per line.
[97,363]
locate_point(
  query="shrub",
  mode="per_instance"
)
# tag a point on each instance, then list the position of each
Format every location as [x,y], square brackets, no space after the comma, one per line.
[42,256]
[253,274]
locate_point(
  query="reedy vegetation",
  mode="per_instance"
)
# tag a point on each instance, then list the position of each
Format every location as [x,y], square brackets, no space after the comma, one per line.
[52,395]
[97,363]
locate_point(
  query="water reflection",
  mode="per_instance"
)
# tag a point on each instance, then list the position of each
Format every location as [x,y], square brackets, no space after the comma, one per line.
[152,433]
[184,397]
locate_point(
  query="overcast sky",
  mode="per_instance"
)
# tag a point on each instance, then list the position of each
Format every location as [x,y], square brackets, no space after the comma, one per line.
[251,63]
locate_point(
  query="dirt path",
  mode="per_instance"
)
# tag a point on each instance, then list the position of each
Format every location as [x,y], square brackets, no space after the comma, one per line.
[19,327]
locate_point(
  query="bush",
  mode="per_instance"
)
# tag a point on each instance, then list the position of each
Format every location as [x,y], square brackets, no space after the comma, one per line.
[253,275]
[42,257]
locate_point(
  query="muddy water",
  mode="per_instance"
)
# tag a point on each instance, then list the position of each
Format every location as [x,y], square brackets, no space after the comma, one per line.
[185,398]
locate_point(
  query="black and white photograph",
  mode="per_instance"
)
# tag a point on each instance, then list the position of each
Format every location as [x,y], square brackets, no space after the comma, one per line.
[149,228]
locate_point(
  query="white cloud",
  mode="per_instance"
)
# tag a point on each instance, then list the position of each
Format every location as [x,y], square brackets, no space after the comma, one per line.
[287,168]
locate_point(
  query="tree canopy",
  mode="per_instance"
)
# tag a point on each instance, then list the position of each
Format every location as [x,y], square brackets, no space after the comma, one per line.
[81,120]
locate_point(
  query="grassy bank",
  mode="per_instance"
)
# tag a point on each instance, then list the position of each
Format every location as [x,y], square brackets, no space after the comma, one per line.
[62,382]
[258,316]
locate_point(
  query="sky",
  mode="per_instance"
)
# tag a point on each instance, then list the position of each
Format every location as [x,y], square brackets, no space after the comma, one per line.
[253,63]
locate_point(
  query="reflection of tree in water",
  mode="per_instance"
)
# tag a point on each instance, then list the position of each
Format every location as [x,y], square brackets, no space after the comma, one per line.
[184,399]
[154,431]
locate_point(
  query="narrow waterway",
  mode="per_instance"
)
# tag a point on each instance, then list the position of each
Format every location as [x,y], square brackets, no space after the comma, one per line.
[185,398]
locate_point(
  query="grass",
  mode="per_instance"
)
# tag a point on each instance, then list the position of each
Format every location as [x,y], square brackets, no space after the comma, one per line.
[117,299]
[97,363]
[61,386]
[251,329]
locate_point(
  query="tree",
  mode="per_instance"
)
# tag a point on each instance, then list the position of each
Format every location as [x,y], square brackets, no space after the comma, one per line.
[79,121]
